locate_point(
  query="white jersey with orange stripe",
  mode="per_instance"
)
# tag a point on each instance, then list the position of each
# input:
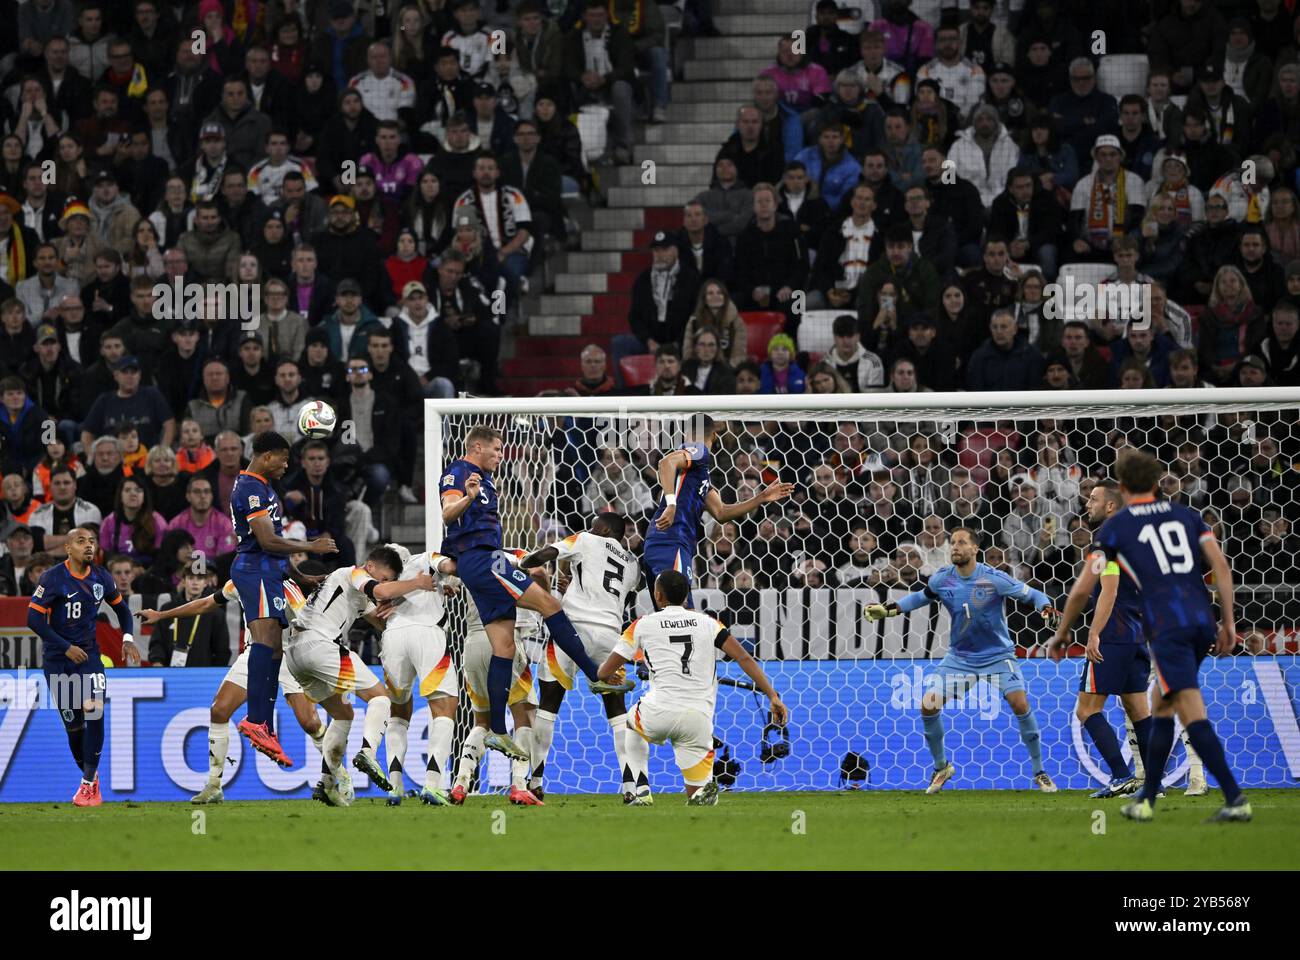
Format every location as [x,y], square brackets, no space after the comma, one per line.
[421,608]
[294,599]
[680,650]
[333,605]
[604,576]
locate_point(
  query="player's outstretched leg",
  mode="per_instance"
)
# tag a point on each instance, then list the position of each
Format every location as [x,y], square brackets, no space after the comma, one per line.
[1203,739]
[566,637]
[471,752]
[378,707]
[521,770]
[1030,737]
[1088,709]
[336,783]
[636,751]
[230,697]
[932,723]
[441,727]
[396,736]
[1196,784]
[616,714]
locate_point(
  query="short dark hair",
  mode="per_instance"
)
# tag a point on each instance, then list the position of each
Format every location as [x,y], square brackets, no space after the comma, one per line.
[845,325]
[970,532]
[1112,491]
[668,350]
[899,233]
[674,586]
[616,522]
[269,442]
[388,557]
[1138,471]
[12,383]
[311,445]
[1015,173]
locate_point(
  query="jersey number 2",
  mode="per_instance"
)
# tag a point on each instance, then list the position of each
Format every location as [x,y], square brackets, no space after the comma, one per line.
[613,577]
[689,645]
[1174,540]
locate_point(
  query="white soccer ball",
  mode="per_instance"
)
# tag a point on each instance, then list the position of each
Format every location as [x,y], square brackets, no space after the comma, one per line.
[317,420]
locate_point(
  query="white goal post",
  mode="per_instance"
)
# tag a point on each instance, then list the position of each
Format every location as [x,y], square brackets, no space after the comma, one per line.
[881,479]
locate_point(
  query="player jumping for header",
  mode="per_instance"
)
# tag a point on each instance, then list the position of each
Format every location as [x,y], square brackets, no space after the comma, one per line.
[258,572]
[980,647]
[62,613]
[687,493]
[497,586]
[597,574]
[1116,661]
[1155,543]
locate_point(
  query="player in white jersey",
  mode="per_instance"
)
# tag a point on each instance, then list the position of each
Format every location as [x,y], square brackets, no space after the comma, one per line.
[233,692]
[521,699]
[678,648]
[416,659]
[597,575]
[316,653]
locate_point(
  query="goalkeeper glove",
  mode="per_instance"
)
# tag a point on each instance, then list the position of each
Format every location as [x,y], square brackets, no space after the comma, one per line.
[1051,615]
[878,611]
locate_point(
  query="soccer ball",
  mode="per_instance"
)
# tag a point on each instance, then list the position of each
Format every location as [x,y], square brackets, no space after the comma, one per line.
[317,420]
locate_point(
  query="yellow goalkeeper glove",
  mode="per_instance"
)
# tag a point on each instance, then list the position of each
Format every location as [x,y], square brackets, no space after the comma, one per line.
[878,611]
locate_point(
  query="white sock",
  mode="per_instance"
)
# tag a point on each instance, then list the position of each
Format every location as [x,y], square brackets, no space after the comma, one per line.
[618,729]
[471,751]
[336,742]
[440,734]
[543,733]
[377,713]
[519,769]
[318,738]
[1139,768]
[1195,768]
[395,738]
[636,750]
[218,742]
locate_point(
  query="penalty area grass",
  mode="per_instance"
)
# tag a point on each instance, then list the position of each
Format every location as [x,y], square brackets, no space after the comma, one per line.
[867,830]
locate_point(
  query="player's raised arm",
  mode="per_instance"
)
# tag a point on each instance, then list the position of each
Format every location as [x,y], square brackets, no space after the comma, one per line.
[1223,586]
[456,497]
[909,602]
[669,466]
[732,648]
[539,558]
[1009,586]
[722,512]
[264,533]
[1077,600]
[392,589]
[194,608]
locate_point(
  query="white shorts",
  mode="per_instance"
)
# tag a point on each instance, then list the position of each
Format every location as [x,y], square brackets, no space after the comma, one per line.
[416,660]
[558,667]
[478,654]
[689,731]
[238,675]
[325,668]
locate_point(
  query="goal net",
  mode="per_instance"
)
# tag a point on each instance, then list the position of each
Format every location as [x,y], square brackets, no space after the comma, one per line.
[881,479]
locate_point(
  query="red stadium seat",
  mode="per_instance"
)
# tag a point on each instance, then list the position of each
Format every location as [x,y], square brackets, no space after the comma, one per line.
[760,327]
[638,370]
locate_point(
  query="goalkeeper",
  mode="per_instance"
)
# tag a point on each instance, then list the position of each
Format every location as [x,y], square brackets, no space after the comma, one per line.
[979,648]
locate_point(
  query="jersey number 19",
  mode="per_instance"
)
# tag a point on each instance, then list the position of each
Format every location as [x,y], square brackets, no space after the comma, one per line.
[1174,540]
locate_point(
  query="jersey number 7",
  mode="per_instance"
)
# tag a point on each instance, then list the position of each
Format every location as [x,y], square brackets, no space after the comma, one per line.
[686,653]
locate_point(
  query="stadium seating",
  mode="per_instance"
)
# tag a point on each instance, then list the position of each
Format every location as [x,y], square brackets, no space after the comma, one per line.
[760,327]
[638,370]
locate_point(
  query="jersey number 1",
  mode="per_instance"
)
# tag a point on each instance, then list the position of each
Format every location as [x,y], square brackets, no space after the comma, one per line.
[1174,540]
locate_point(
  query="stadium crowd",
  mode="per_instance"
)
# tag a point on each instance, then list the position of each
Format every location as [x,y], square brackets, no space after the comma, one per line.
[392,180]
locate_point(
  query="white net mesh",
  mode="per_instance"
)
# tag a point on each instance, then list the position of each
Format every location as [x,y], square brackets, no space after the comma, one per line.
[878,489]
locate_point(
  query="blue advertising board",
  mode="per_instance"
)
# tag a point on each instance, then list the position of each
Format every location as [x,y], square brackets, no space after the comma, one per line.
[156,734]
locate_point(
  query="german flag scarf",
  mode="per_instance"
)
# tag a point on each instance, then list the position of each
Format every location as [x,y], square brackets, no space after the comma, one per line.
[19,257]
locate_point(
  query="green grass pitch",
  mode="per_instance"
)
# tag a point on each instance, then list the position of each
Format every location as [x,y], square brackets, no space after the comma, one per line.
[746,831]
